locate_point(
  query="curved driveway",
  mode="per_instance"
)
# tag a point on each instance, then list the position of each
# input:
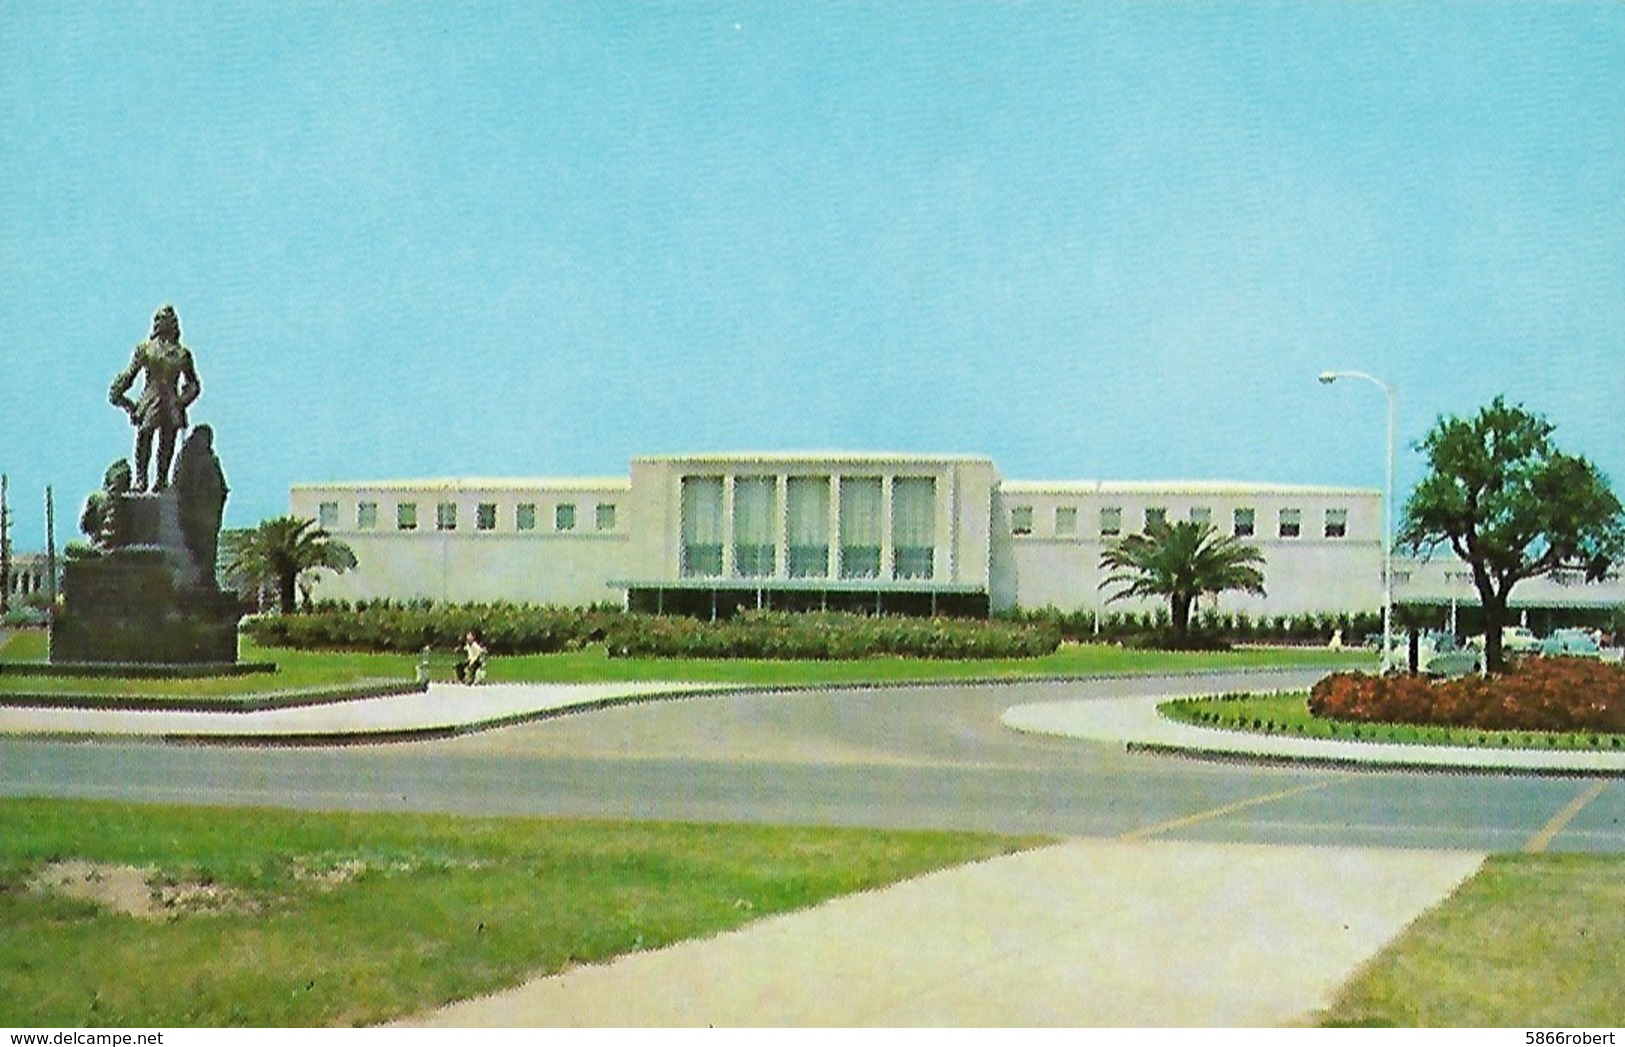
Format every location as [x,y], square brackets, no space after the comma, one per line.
[932,756]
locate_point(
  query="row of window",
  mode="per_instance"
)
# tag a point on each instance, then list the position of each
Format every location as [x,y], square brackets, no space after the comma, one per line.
[1244,522]
[445,516]
[861,527]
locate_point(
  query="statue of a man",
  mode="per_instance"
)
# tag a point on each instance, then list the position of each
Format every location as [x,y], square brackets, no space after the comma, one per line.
[170,386]
[202,488]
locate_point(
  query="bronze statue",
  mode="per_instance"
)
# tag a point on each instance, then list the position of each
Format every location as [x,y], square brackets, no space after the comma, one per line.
[170,386]
[103,519]
[201,485]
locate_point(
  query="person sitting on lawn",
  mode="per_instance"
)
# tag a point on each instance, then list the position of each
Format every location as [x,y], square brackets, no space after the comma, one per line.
[471,664]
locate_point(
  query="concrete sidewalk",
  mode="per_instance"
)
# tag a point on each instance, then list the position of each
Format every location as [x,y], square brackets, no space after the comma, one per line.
[1086,933]
[443,709]
[1135,722]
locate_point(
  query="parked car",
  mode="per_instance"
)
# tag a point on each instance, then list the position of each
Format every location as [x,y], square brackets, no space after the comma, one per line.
[1438,654]
[1574,643]
[1515,639]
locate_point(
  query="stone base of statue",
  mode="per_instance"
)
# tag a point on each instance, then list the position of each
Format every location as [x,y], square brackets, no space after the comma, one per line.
[145,597]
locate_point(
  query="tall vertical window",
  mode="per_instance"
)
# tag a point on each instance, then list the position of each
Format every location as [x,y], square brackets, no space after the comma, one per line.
[807,506]
[702,526]
[605,520]
[1244,523]
[485,517]
[1337,523]
[913,526]
[861,526]
[406,516]
[327,515]
[564,516]
[1291,523]
[1154,517]
[1066,520]
[756,518]
[366,516]
[445,516]
[1111,521]
[524,516]
[1021,519]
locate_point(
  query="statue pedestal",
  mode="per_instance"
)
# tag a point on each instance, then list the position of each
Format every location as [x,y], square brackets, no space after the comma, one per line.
[145,600]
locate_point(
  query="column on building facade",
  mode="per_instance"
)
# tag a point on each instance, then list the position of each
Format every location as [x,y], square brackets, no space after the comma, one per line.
[888,557]
[781,531]
[729,567]
[835,557]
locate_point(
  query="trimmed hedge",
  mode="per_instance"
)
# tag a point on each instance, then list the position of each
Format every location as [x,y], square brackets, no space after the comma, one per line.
[830,637]
[1538,694]
[1147,628]
[530,629]
[407,628]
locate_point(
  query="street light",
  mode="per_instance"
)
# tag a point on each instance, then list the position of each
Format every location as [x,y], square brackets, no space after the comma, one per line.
[1327,378]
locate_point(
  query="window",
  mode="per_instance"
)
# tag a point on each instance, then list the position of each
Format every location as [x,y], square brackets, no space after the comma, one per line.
[524,516]
[327,515]
[1154,517]
[701,526]
[366,516]
[1111,522]
[756,515]
[913,526]
[1066,520]
[564,516]
[1201,514]
[860,527]
[1337,523]
[806,500]
[605,518]
[1244,523]
[485,516]
[406,516]
[1021,520]
[1291,523]
[445,516]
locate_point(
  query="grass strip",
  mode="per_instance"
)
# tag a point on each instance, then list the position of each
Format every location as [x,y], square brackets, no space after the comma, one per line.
[281,918]
[298,669]
[1530,941]
[1288,714]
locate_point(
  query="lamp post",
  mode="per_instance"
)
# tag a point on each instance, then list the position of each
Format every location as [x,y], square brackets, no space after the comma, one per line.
[1327,378]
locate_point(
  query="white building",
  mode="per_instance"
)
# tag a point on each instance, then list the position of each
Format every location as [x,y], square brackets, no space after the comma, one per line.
[885,532]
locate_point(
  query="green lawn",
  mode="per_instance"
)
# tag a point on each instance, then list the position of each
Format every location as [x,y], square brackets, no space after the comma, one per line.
[296,918]
[1531,941]
[300,669]
[1289,714]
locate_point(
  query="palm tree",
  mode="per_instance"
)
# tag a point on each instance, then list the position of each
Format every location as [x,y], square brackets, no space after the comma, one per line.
[278,551]
[1181,561]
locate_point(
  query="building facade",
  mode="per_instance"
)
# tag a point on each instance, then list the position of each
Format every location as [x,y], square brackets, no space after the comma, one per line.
[888,533]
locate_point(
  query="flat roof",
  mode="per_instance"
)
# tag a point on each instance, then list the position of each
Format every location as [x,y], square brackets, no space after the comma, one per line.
[838,457]
[1201,487]
[463,483]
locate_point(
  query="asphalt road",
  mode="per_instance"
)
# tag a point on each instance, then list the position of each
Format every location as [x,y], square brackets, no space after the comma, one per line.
[917,757]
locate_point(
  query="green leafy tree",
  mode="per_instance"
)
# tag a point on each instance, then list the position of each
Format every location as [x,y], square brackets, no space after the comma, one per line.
[1181,562]
[1503,498]
[274,555]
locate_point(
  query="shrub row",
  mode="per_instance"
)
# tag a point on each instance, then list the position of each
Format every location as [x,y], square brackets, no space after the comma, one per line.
[1217,627]
[775,634]
[408,627]
[529,629]
[1540,694]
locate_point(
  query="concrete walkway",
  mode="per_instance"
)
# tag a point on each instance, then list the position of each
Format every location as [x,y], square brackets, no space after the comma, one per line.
[441,710]
[1086,933]
[1135,722]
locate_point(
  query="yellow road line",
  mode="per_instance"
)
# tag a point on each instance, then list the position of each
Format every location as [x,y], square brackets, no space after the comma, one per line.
[1219,812]
[1561,819]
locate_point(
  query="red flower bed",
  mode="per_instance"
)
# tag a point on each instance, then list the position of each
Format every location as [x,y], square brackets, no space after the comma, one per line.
[1540,694]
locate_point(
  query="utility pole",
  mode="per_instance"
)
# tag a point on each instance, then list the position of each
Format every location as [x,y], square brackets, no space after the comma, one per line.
[50,546]
[5,545]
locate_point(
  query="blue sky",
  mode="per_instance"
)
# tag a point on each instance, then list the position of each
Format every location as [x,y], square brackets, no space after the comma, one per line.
[1102,240]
